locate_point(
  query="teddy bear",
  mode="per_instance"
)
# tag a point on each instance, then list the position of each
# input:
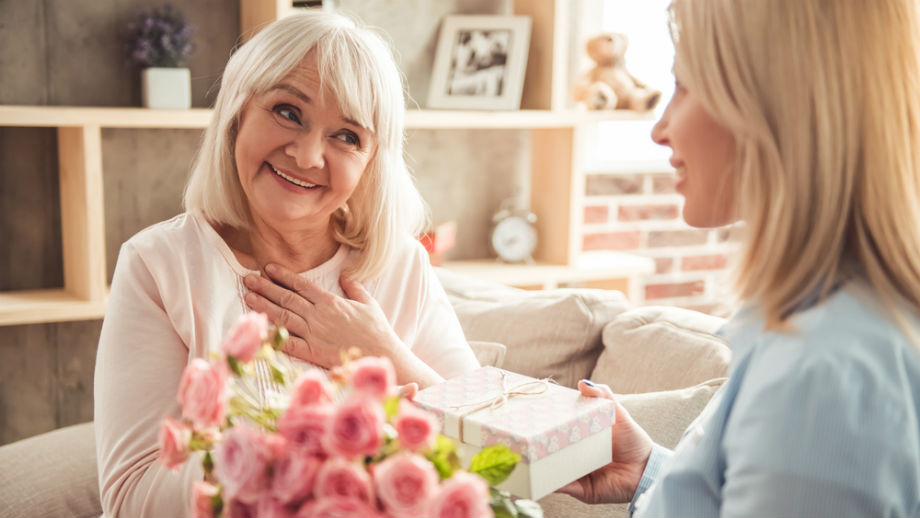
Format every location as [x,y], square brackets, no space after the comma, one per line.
[608,85]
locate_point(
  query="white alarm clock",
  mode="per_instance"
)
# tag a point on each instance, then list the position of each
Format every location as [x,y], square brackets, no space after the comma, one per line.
[513,236]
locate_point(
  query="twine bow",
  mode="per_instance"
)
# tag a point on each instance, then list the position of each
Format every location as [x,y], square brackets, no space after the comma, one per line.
[528,388]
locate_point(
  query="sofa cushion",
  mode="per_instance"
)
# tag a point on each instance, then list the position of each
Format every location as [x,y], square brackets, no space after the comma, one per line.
[665,415]
[656,348]
[548,333]
[52,474]
[489,353]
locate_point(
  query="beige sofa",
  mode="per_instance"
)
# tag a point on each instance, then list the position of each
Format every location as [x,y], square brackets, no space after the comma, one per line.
[664,362]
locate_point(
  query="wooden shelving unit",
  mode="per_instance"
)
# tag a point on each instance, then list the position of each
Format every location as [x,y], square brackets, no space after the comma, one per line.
[556,179]
[614,270]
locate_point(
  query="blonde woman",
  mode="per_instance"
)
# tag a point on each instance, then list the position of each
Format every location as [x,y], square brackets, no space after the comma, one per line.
[800,118]
[299,206]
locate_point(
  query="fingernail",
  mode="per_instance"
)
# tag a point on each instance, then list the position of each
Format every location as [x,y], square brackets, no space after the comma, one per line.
[250,280]
[270,268]
[588,382]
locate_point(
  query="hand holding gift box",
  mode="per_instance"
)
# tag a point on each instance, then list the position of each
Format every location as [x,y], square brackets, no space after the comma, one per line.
[560,434]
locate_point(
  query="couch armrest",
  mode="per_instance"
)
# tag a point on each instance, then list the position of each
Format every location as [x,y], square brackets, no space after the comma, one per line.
[52,474]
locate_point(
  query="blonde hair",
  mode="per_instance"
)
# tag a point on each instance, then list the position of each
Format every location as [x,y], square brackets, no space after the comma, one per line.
[357,68]
[824,100]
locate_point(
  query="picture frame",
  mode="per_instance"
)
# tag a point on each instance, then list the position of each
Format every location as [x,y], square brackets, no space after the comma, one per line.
[480,63]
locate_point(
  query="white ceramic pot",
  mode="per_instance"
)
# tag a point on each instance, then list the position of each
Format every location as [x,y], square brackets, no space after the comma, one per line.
[166,88]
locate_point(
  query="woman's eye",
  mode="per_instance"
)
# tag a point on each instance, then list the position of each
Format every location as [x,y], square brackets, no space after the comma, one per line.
[288,112]
[349,138]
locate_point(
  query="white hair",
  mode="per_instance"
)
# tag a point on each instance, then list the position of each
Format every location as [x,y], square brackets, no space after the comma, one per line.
[357,68]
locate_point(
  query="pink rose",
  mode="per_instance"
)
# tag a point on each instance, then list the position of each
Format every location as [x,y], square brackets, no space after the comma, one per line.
[341,478]
[241,462]
[416,428]
[405,484]
[203,499]
[337,507]
[373,376]
[203,393]
[464,495]
[311,388]
[174,439]
[305,427]
[294,475]
[269,507]
[356,428]
[236,508]
[246,337]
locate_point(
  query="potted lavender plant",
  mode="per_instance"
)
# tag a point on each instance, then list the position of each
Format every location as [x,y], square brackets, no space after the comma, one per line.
[159,41]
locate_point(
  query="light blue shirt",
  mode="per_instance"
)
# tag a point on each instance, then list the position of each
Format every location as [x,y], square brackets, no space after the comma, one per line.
[823,420]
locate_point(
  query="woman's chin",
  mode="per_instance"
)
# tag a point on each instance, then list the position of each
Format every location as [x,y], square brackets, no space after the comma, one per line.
[284,216]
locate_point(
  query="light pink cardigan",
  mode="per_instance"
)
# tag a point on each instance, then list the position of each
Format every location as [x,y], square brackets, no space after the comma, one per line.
[176,291]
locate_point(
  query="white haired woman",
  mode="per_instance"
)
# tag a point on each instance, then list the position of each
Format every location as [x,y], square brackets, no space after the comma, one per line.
[800,118]
[300,206]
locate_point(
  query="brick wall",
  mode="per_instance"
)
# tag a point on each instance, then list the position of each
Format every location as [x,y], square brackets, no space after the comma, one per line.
[641,213]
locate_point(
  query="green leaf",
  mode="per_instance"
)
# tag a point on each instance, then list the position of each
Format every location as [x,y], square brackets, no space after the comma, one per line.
[494,463]
[207,462]
[277,376]
[235,366]
[217,502]
[528,508]
[391,406]
[505,506]
[444,457]
[501,503]
[281,336]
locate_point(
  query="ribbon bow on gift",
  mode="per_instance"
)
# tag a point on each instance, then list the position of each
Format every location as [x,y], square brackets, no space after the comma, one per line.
[527,388]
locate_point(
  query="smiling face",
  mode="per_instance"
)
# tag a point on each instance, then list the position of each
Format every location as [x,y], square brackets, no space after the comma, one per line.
[298,157]
[704,157]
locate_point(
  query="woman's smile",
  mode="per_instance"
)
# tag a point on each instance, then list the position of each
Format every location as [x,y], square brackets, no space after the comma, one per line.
[288,179]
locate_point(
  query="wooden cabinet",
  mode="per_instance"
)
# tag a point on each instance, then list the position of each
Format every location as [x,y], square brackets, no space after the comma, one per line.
[556,180]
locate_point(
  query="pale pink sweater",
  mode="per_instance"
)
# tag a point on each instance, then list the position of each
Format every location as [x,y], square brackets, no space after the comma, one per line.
[177,290]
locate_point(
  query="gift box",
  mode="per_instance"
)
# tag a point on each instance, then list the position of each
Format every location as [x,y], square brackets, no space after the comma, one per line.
[560,434]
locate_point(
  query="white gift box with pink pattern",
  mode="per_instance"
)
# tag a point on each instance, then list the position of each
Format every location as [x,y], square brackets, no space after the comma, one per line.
[560,434]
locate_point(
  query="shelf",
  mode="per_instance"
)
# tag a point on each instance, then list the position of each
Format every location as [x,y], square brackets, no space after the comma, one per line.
[196,118]
[83,228]
[39,306]
[612,266]
[447,119]
[104,117]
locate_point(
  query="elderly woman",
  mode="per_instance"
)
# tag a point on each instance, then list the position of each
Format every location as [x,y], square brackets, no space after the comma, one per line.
[299,206]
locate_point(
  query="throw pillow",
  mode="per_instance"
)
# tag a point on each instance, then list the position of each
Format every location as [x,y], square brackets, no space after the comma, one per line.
[666,415]
[488,353]
[547,333]
[51,474]
[657,348]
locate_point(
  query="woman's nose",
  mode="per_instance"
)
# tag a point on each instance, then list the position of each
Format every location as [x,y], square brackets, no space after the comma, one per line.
[659,131]
[307,150]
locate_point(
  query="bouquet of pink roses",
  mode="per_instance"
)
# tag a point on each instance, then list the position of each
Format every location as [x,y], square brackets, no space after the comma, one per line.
[280,443]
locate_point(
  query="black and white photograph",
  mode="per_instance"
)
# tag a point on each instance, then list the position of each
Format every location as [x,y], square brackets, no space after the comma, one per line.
[480,63]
